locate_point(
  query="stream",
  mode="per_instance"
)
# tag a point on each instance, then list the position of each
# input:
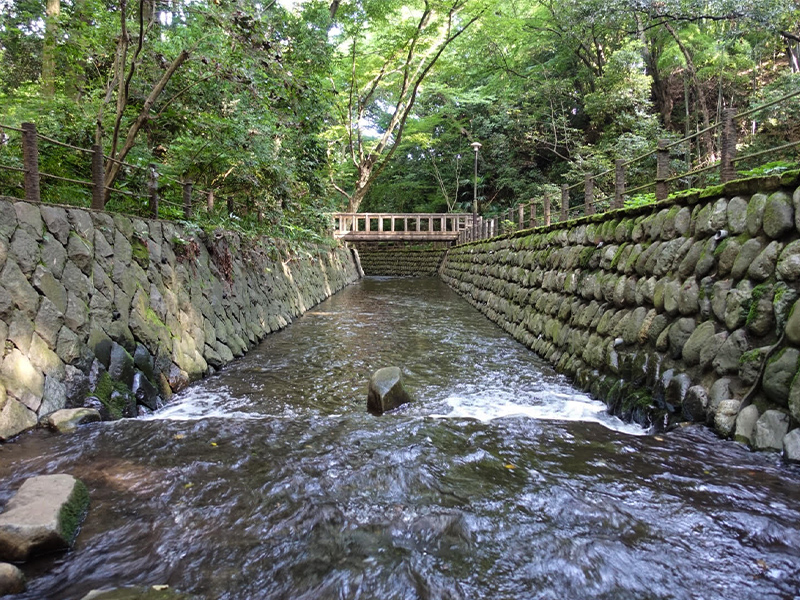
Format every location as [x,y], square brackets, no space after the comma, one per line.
[269,480]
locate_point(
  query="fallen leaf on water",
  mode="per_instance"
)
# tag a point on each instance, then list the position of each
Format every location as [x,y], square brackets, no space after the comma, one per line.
[178,436]
[188,485]
[213,443]
[659,438]
[763,564]
[160,588]
[510,466]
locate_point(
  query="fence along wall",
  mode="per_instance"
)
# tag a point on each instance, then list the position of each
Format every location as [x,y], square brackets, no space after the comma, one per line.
[668,313]
[116,312]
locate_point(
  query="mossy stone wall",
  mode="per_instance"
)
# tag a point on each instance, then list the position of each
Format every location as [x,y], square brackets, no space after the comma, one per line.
[118,313]
[400,261]
[680,311]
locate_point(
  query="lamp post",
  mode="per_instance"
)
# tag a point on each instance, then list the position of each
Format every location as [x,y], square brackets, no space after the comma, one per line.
[475,146]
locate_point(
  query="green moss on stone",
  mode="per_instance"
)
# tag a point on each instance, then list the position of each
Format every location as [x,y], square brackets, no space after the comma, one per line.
[714,191]
[74,511]
[756,295]
[586,256]
[104,390]
[617,256]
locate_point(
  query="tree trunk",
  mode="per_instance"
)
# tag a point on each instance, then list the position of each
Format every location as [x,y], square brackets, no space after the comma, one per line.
[53,10]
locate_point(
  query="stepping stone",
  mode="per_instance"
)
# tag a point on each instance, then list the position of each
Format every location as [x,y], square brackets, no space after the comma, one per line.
[43,516]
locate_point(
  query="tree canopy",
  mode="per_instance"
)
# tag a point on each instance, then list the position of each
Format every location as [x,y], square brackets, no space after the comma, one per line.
[289,110]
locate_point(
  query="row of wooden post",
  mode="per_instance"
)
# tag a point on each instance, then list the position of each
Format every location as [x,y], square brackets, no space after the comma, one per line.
[727,172]
[30,157]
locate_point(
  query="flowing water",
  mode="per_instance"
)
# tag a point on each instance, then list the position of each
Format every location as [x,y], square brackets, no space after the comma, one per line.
[269,480]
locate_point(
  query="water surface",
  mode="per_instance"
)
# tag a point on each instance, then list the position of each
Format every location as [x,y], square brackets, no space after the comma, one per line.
[270,480]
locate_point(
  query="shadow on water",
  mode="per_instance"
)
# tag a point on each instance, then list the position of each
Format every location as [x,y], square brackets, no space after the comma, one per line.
[270,480]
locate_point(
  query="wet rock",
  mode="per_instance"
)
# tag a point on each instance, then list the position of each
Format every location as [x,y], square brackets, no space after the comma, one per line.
[679,333]
[12,580]
[746,424]
[780,371]
[725,416]
[699,337]
[676,391]
[43,516]
[729,353]
[771,427]
[791,446]
[386,391]
[793,325]
[695,404]
[15,417]
[145,392]
[68,419]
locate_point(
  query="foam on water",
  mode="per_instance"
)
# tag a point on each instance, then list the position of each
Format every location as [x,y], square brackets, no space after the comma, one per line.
[546,406]
[198,403]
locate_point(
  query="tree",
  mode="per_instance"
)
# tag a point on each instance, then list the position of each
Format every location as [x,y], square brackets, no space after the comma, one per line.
[392,48]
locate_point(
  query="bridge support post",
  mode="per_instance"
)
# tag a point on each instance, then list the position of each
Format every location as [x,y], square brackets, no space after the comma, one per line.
[564,202]
[187,199]
[521,216]
[662,170]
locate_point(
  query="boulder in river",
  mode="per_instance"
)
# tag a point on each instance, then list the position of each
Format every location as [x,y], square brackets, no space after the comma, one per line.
[43,516]
[12,580]
[67,420]
[386,391]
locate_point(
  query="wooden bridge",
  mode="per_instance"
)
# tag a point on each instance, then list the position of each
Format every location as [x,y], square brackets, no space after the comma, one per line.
[388,227]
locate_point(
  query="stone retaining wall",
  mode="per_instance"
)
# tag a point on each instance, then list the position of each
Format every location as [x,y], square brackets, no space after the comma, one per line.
[114,312]
[398,261]
[673,312]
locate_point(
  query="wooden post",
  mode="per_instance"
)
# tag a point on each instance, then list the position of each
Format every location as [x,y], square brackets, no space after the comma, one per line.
[727,171]
[418,222]
[98,178]
[521,216]
[30,158]
[546,209]
[231,207]
[187,199]
[619,183]
[366,222]
[392,223]
[662,170]
[430,223]
[210,202]
[588,196]
[533,213]
[564,202]
[152,189]
[380,223]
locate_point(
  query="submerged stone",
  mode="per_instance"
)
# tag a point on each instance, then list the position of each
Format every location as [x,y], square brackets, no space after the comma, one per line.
[386,391]
[68,419]
[12,580]
[156,592]
[43,516]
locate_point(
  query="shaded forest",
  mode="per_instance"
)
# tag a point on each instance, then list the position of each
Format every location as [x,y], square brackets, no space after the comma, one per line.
[287,111]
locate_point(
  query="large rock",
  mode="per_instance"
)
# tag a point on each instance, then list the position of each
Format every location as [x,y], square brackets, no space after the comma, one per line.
[43,516]
[771,427]
[68,419]
[386,391]
[12,580]
[746,424]
[791,446]
[15,417]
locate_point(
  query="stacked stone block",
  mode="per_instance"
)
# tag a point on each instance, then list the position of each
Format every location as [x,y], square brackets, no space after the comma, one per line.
[400,262]
[115,312]
[686,311]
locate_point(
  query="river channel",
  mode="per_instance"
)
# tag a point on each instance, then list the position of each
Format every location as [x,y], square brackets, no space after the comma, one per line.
[269,480]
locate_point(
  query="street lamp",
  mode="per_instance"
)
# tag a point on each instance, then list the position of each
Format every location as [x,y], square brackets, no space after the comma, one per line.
[475,146]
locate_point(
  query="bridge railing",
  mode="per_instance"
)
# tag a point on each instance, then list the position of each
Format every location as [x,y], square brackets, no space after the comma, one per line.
[396,225]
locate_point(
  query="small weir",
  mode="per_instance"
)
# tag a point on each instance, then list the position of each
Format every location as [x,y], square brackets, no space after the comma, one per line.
[269,480]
